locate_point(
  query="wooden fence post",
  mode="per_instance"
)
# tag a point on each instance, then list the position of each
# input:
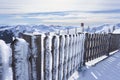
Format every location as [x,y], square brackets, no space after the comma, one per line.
[47,58]
[91,48]
[69,56]
[61,56]
[109,44]
[39,57]
[42,56]
[72,58]
[36,41]
[55,57]
[33,58]
[82,51]
[20,62]
[79,49]
[94,50]
[74,54]
[85,49]
[88,44]
[66,53]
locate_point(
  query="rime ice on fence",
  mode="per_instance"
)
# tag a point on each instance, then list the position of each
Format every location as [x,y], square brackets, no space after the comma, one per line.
[69,56]
[34,58]
[73,56]
[36,42]
[48,58]
[72,53]
[61,56]
[82,47]
[58,56]
[20,60]
[5,52]
[55,57]
[66,53]
[42,57]
[63,50]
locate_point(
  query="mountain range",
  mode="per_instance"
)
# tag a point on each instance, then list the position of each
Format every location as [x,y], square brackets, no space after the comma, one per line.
[6,32]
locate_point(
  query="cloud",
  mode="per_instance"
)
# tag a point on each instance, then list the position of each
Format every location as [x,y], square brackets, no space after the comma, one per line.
[66,12]
[106,11]
[30,6]
[63,17]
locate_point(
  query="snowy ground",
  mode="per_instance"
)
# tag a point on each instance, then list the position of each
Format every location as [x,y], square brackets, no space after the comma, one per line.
[108,69]
[117,31]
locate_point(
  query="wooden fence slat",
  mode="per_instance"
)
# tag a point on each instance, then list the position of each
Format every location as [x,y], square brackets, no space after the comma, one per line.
[33,57]
[83,50]
[74,55]
[73,52]
[86,49]
[61,56]
[55,58]
[79,48]
[20,62]
[77,51]
[65,66]
[47,58]
[40,57]
[69,56]
[67,52]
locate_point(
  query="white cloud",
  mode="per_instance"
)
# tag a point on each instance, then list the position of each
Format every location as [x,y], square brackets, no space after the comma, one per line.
[72,18]
[26,6]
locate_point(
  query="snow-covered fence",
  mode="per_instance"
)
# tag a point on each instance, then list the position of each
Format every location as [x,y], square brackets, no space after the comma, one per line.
[55,56]
[114,42]
[97,45]
[20,60]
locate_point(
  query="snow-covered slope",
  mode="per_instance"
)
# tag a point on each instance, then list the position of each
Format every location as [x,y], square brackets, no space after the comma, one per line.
[117,31]
[34,28]
[8,32]
[106,28]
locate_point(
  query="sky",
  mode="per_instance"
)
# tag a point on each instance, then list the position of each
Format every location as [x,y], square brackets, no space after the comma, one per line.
[59,12]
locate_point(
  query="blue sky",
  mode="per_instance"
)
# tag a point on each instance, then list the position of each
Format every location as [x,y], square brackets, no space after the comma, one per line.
[59,12]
